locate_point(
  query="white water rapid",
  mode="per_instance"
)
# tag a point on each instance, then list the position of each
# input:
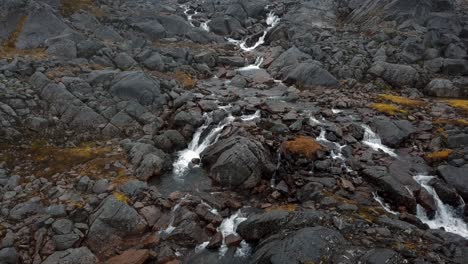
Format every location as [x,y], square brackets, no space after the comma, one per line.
[255,66]
[445,217]
[228,227]
[382,203]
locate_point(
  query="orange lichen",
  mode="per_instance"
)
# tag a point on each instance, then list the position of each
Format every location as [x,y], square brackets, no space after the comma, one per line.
[440,155]
[388,109]
[302,145]
[458,103]
[185,79]
[402,100]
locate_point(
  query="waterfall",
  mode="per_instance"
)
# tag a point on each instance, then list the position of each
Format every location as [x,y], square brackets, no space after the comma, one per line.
[382,203]
[196,147]
[272,21]
[336,148]
[182,165]
[446,216]
[228,227]
[255,66]
[373,141]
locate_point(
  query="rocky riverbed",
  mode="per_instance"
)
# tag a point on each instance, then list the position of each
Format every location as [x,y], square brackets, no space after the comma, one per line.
[232,131]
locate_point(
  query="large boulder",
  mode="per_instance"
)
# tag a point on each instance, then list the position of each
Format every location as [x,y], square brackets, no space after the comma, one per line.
[174,25]
[307,245]
[395,74]
[39,25]
[260,226]
[138,86]
[291,57]
[237,161]
[111,224]
[310,75]
[225,26]
[152,29]
[456,177]
[442,88]
[392,132]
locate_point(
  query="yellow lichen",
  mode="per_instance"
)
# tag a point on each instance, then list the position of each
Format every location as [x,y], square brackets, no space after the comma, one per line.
[402,100]
[121,197]
[439,155]
[458,103]
[388,109]
[302,145]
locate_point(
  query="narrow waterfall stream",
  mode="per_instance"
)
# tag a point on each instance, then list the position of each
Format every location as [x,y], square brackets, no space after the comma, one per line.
[446,216]
[382,203]
[272,21]
[373,141]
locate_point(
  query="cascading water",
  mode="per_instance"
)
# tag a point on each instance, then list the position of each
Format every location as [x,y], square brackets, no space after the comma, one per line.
[336,148]
[228,227]
[203,25]
[446,216]
[373,141]
[382,203]
[255,66]
[272,21]
[196,147]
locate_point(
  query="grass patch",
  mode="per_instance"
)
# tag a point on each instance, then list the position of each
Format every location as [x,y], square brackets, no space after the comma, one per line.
[439,155]
[302,145]
[69,7]
[460,104]
[290,207]
[388,109]
[402,100]
[457,122]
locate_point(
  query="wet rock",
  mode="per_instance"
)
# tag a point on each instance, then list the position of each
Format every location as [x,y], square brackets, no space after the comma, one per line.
[193,118]
[215,241]
[137,86]
[395,74]
[80,255]
[455,177]
[130,256]
[225,25]
[305,245]
[231,61]
[113,221]
[260,226]
[392,132]
[237,162]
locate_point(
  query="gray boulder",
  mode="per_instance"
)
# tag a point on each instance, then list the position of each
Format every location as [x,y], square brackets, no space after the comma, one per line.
[291,57]
[154,62]
[381,255]
[80,255]
[174,25]
[225,26]
[310,244]
[442,88]
[9,256]
[40,24]
[395,74]
[64,48]
[152,29]
[237,162]
[124,61]
[25,209]
[137,86]
[392,132]
[311,75]
[455,177]
[113,221]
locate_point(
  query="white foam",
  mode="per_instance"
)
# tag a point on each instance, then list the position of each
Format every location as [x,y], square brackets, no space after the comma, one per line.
[251,117]
[336,148]
[204,25]
[336,111]
[272,21]
[382,203]
[373,141]
[228,227]
[196,147]
[445,216]
[201,247]
[255,66]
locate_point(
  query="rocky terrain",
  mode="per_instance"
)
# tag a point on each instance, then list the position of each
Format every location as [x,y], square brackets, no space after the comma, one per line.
[233,131]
